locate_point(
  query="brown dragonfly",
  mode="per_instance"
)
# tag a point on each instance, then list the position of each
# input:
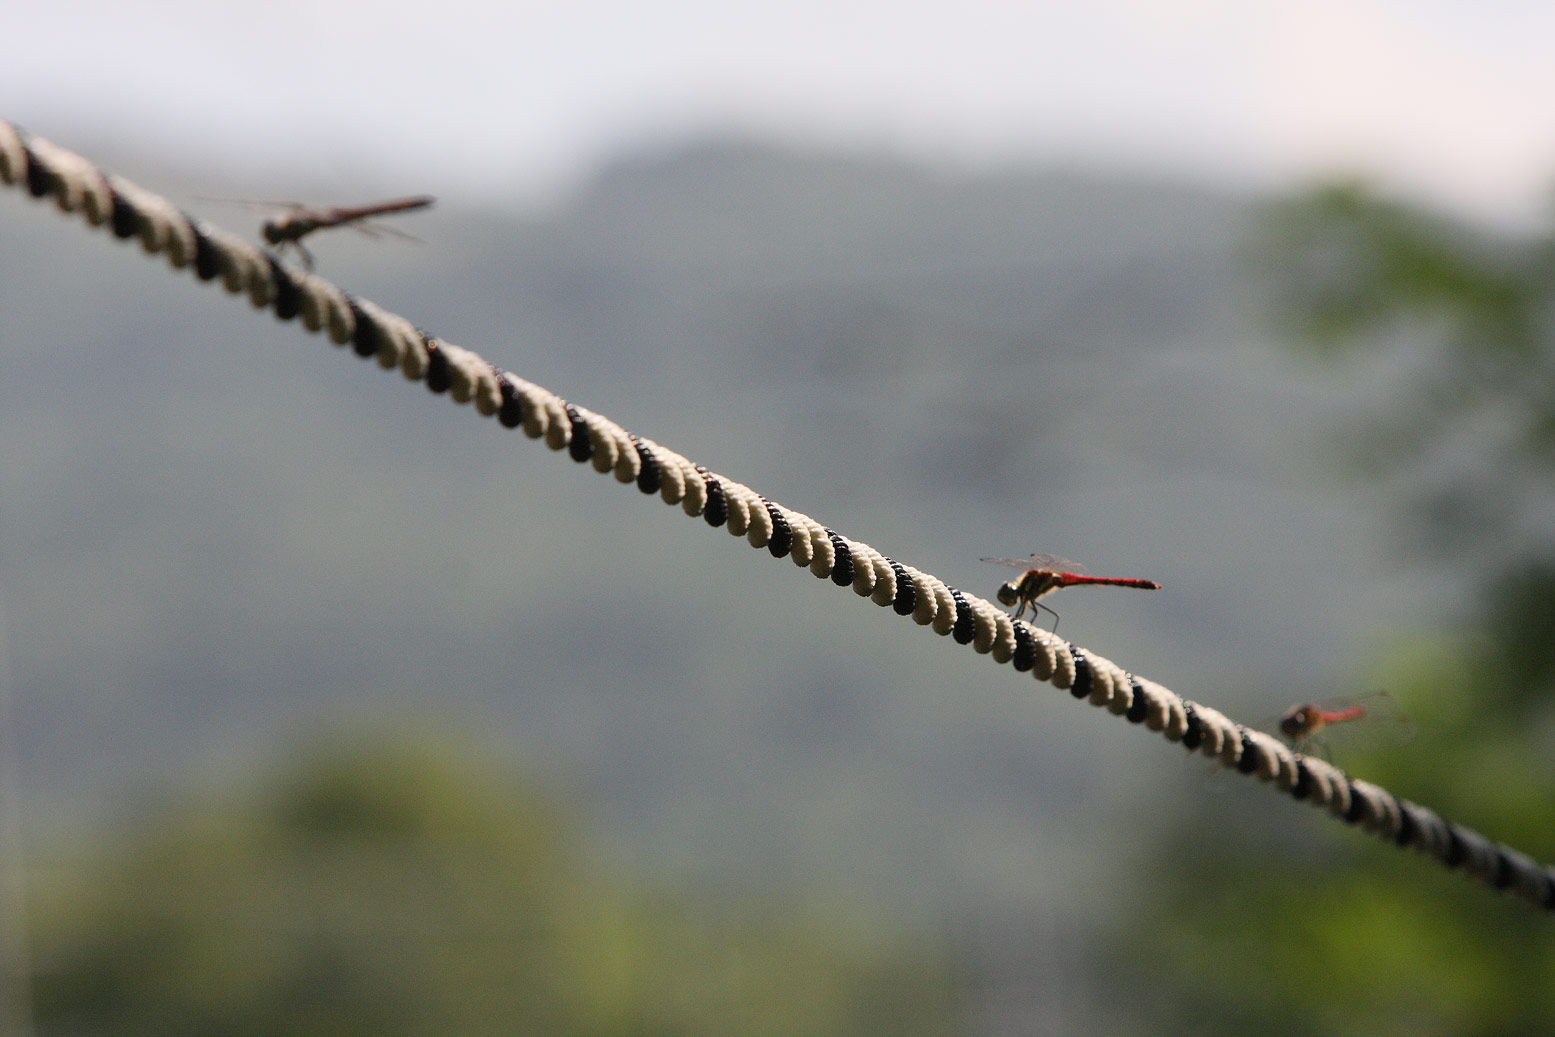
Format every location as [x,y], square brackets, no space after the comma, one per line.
[1365,721]
[295,220]
[1045,574]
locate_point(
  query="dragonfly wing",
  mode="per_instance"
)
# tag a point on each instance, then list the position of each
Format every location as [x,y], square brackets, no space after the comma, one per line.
[252,203]
[374,229]
[1016,563]
[1378,704]
[1381,726]
[1040,562]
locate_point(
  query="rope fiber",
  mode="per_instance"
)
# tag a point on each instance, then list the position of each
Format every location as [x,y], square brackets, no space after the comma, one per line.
[46,170]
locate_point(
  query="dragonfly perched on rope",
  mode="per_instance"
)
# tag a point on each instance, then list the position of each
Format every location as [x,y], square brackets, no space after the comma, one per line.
[1045,574]
[295,221]
[1364,721]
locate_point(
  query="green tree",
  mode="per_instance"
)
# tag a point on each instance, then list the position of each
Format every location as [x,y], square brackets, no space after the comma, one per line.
[1330,932]
[389,886]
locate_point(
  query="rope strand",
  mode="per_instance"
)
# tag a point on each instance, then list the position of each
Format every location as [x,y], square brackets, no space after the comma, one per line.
[46,170]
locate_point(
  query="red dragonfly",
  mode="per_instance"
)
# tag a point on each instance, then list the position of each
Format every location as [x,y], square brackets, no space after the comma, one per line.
[1044,575]
[1365,721]
[295,220]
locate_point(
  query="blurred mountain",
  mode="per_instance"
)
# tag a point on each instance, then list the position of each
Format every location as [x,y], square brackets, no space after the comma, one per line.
[216,528]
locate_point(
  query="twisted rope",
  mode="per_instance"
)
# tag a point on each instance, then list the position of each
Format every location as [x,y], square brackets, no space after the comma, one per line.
[76,186]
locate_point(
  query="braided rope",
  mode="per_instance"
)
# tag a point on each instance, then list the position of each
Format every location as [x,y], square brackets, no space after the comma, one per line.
[76,186]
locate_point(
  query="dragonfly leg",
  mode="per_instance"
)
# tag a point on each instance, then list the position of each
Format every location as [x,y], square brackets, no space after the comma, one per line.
[286,247]
[1312,747]
[1038,605]
[293,245]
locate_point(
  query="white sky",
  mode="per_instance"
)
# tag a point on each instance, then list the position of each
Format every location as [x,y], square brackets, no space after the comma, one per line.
[1448,99]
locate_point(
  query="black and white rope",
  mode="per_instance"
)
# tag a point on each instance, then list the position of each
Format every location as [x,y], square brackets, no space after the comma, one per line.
[45,170]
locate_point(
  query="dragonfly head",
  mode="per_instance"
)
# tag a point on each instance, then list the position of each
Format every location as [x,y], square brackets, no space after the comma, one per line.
[1009,593]
[273,232]
[1298,721]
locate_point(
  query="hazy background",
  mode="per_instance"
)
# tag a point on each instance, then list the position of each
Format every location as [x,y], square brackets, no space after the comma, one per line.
[955,283]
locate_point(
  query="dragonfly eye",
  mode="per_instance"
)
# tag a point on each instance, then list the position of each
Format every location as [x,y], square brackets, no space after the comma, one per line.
[1294,722]
[1008,595]
[272,233]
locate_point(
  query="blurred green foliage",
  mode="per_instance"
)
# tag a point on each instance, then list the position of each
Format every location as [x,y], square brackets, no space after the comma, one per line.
[1290,923]
[1462,317]
[393,886]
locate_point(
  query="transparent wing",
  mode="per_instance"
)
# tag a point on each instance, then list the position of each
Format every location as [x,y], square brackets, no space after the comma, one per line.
[1014,563]
[374,229]
[1382,724]
[1039,562]
[1377,704]
[253,203]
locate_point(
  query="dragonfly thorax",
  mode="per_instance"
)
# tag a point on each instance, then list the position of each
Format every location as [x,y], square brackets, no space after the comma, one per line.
[290,228]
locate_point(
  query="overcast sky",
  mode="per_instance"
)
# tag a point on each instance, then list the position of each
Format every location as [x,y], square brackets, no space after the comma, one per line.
[1449,99]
